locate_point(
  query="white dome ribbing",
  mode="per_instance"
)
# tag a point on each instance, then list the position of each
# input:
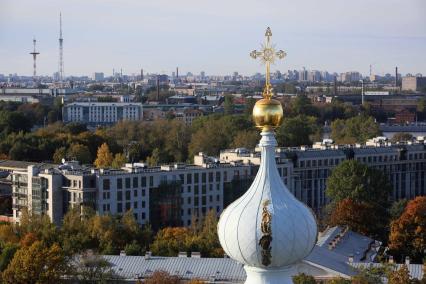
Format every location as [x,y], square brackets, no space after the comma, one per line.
[267,228]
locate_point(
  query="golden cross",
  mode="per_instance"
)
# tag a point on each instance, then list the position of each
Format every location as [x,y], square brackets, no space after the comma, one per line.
[267,56]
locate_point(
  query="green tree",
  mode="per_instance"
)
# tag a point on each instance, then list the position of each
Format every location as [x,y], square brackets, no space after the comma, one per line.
[366,188]
[80,153]
[104,157]
[397,208]
[246,139]
[303,278]
[6,255]
[297,131]
[249,104]
[357,129]
[228,105]
[119,161]
[154,159]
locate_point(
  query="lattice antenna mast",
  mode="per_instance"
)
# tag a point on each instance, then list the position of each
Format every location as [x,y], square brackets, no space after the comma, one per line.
[61,58]
[34,54]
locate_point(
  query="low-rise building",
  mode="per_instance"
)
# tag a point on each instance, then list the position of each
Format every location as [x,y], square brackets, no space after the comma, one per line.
[413,83]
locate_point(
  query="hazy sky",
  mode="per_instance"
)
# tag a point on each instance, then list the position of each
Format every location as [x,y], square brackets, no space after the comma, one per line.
[212,35]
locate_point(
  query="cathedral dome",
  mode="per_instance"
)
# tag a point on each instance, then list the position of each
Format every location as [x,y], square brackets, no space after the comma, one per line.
[267,227]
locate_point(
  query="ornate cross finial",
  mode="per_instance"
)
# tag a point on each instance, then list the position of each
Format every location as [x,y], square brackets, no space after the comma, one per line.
[267,56]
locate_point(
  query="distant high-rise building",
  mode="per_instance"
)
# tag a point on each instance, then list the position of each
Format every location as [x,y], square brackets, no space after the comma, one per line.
[414,84]
[98,76]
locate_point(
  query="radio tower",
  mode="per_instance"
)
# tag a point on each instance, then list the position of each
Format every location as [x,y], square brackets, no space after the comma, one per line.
[34,53]
[61,59]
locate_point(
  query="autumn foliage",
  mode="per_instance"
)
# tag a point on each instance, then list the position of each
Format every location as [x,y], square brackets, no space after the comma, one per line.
[408,232]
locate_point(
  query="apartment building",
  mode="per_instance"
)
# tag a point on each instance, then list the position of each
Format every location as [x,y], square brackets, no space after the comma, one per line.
[163,195]
[101,113]
[305,170]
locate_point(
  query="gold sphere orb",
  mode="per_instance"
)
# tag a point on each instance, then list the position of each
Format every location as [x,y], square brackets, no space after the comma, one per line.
[267,114]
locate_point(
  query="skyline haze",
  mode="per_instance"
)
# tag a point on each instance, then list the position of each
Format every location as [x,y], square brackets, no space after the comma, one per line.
[214,36]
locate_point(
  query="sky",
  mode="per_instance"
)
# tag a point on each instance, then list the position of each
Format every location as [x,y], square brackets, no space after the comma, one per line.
[215,36]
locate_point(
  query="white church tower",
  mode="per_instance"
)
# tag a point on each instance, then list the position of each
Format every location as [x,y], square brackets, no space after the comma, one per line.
[268,229]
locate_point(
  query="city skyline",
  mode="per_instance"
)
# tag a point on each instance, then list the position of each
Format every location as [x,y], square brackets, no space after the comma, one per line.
[213,36]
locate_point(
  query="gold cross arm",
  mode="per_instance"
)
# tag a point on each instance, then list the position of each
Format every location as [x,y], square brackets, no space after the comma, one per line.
[267,56]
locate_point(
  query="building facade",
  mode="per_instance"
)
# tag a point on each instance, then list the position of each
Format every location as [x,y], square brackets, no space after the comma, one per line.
[413,83]
[305,170]
[163,196]
[172,195]
[101,113]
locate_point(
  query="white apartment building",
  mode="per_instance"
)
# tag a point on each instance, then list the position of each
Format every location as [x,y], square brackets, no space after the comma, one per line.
[173,194]
[100,113]
[308,168]
[162,195]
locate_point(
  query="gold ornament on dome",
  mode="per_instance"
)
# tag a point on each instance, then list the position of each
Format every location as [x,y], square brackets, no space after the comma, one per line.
[267,112]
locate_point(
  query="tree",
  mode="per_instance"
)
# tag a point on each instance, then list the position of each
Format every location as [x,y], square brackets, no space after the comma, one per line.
[408,232]
[8,235]
[354,188]
[80,153]
[297,131]
[104,157]
[400,276]
[133,248]
[228,105]
[246,139]
[162,277]
[351,179]
[59,154]
[92,268]
[6,255]
[119,161]
[339,281]
[402,137]
[154,159]
[249,105]
[75,234]
[357,215]
[36,264]
[302,105]
[169,241]
[303,278]
[397,208]
[357,129]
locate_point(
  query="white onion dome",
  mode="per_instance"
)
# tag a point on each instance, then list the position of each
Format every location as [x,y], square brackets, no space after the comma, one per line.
[267,227]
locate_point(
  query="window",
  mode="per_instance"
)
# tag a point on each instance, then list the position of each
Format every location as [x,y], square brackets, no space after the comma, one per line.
[106,185]
[210,198]
[119,183]
[189,189]
[203,177]
[143,192]
[128,195]
[143,181]
[217,197]
[217,176]
[181,177]
[189,178]
[151,181]
[196,178]
[135,182]
[143,204]
[135,193]
[143,215]
[119,195]
[128,182]
[189,200]
[189,211]
[119,207]
[203,200]
[135,205]
[127,206]
[203,189]
[211,177]
[196,189]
